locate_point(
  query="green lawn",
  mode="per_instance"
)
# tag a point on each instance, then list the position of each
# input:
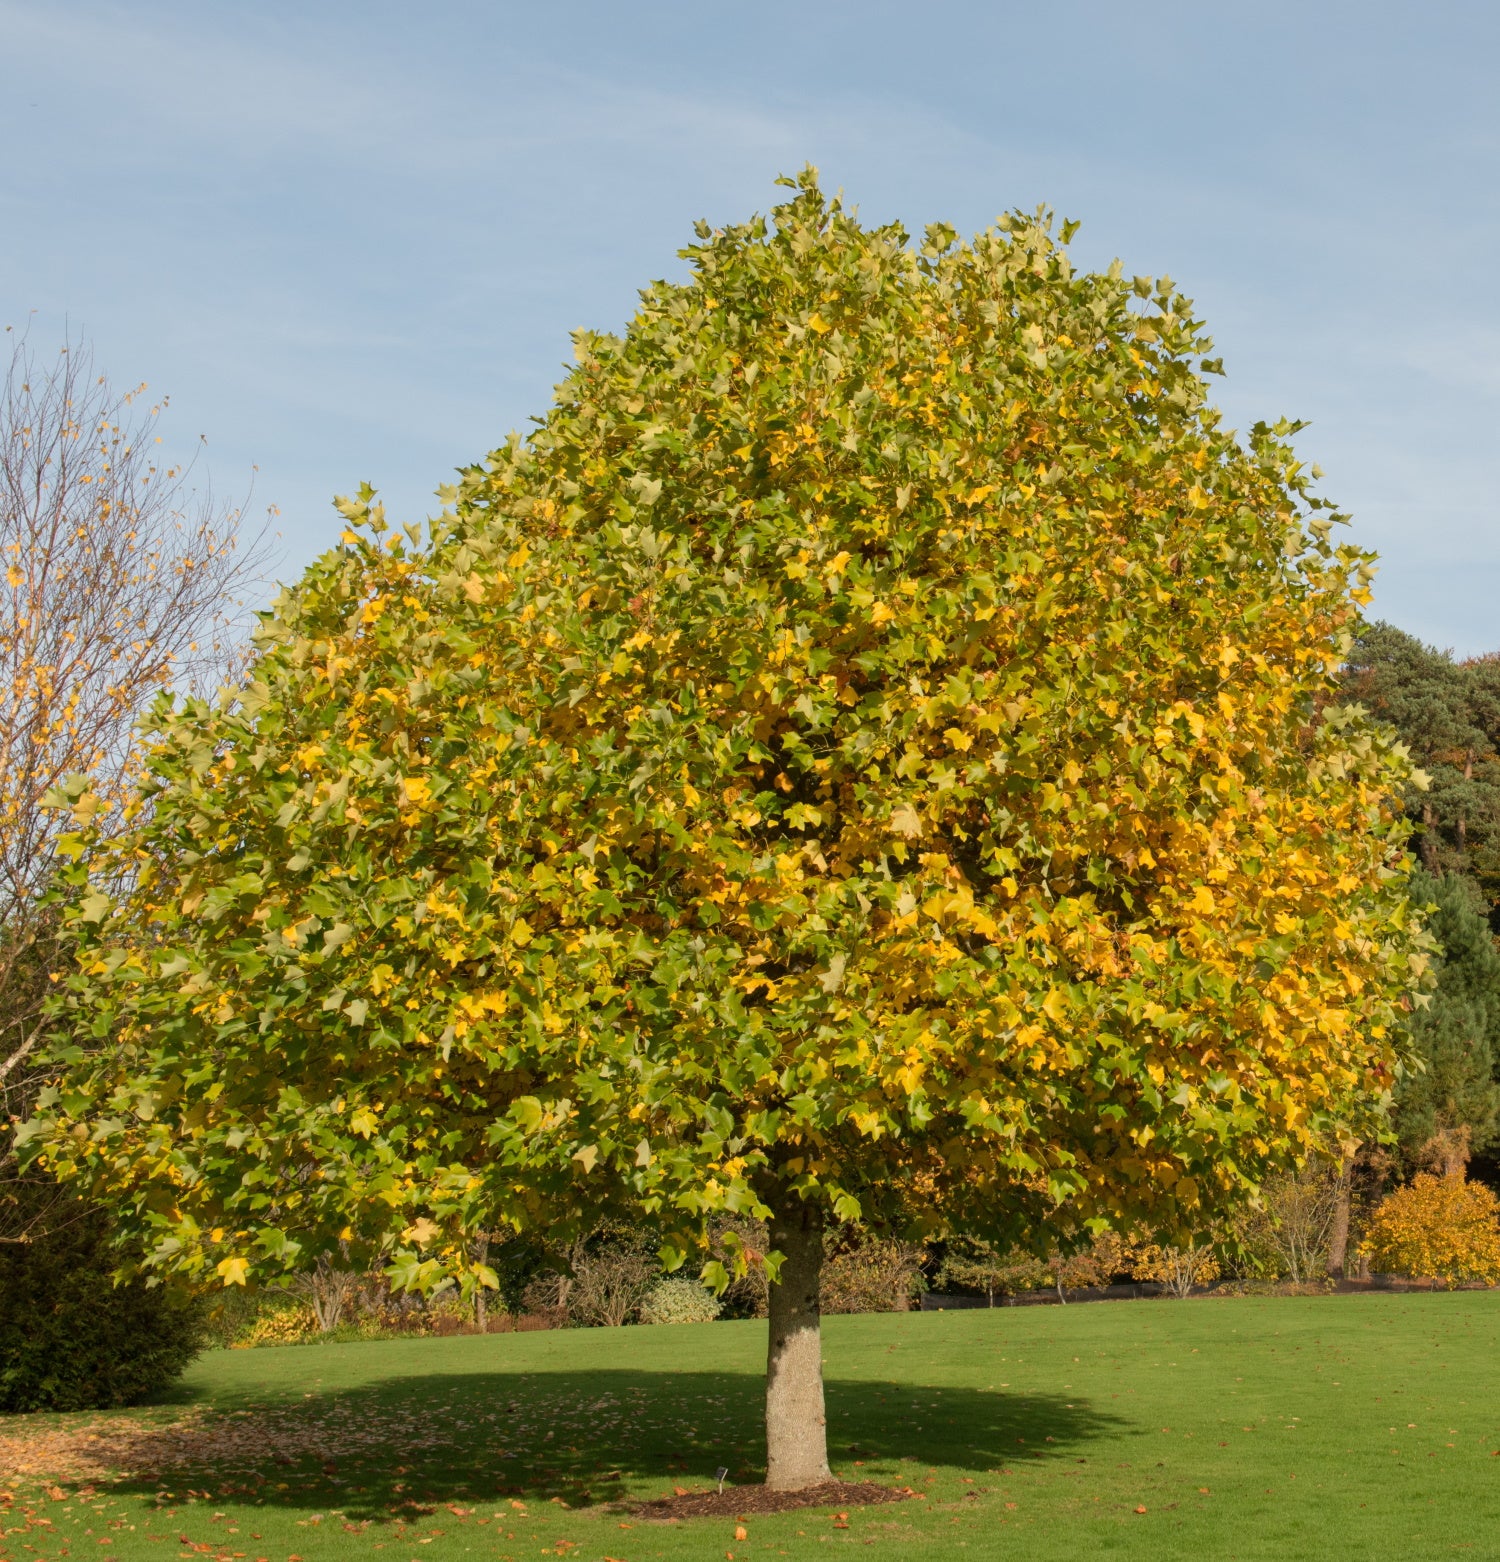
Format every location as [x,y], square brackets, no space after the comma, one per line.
[1360,1426]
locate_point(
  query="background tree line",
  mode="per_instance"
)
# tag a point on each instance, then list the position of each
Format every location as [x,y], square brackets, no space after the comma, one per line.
[1447,711]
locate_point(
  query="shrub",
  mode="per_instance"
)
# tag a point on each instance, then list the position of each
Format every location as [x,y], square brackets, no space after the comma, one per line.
[974,1265]
[70,1339]
[745,1295]
[1287,1235]
[230,1315]
[529,1322]
[861,1273]
[1177,1268]
[1096,1264]
[329,1286]
[680,1300]
[609,1286]
[278,1319]
[1444,1228]
[604,1286]
[547,1295]
[866,1275]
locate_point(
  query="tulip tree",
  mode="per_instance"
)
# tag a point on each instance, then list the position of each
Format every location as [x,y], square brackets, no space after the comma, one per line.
[865,756]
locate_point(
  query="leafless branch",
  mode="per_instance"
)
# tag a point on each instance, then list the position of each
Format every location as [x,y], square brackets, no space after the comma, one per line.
[118,578]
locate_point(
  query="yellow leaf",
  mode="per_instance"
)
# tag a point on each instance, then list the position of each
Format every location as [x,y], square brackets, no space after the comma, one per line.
[587,1156]
[815,322]
[904,821]
[232,1271]
[520,932]
[1055,1006]
[421,1231]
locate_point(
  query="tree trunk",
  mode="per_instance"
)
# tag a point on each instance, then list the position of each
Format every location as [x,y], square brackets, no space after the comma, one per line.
[481,1307]
[1452,1146]
[796,1427]
[1463,821]
[1338,1236]
[1427,844]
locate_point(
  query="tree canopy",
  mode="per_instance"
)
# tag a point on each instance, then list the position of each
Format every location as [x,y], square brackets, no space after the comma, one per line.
[1450,1106]
[1447,712]
[866,751]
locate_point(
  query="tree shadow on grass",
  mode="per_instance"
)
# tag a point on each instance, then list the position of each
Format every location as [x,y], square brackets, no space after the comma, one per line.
[408,1444]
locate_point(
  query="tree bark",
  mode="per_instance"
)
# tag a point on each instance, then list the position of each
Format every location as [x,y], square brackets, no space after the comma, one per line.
[20,1053]
[1427,842]
[1452,1151]
[796,1426]
[1338,1237]
[1463,821]
[481,1307]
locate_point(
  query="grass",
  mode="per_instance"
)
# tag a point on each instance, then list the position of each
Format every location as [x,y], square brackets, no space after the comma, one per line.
[1285,1428]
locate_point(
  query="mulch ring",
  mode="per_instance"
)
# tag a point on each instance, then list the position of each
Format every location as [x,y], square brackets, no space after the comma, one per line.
[741,1501]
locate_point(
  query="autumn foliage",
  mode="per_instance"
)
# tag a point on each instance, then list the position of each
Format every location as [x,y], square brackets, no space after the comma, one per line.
[1443,1228]
[865,747]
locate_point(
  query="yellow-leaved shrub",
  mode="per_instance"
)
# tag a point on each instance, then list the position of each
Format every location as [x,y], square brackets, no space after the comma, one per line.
[281,1322]
[1445,1228]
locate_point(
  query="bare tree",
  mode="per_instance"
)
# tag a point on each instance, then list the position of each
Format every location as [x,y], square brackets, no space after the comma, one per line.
[329,1286]
[120,581]
[603,1285]
[1295,1225]
[609,1285]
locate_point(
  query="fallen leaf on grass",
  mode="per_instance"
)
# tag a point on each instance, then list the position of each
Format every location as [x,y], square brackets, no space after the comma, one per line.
[1139,1508]
[741,1533]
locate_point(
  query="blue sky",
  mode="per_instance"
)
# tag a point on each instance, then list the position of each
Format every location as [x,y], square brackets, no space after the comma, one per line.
[350,239]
